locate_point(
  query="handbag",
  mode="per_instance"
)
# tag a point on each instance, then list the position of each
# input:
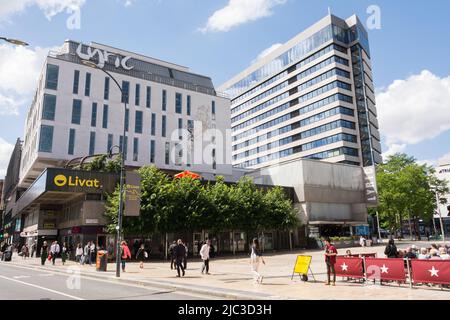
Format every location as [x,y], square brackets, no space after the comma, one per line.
[49,257]
[145,254]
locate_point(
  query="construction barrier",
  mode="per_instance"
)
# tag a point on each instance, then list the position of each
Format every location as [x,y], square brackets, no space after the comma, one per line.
[430,271]
[349,267]
[385,269]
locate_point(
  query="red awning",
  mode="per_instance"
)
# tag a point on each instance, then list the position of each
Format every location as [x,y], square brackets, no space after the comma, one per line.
[187,174]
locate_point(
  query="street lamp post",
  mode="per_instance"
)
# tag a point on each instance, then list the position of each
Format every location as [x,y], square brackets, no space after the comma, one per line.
[14,41]
[440,216]
[122,169]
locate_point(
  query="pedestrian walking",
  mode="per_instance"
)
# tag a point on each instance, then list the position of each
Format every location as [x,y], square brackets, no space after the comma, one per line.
[255,260]
[141,255]
[180,255]
[330,260]
[172,255]
[24,251]
[204,254]
[185,256]
[86,254]
[64,253]
[33,249]
[125,254]
[44,252]
[79,253]
[92,253]
[391,250]
[55,249]
[362,241]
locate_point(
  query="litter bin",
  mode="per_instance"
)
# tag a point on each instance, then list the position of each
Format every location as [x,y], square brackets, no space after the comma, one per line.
[102,260]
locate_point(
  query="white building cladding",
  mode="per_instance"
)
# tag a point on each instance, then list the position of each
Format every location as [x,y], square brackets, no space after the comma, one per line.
[175,118]
[311,98]
[443,173]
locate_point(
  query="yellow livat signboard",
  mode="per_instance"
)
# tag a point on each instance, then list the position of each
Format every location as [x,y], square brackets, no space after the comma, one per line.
[302,266]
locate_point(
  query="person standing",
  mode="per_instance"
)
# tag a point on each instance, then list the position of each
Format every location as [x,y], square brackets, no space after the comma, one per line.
[204,254]
[391,250]
[86,253]
[24,251]
[255,260]
[180,255]
[141,255]
[64,253]
[33,249]
[55,250]
[125,254]
[330,260]
[79,253]
[92,253]
[44,252]
[172,255]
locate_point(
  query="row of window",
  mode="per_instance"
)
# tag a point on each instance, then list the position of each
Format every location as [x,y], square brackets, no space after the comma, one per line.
[301,99]
[300,148]
[302,123]
[302,135]
[306,109]
[300,76]
[284,73]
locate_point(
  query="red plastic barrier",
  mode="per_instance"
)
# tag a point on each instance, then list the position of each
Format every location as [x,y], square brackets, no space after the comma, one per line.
[349,267]
[385,269]
[430,271]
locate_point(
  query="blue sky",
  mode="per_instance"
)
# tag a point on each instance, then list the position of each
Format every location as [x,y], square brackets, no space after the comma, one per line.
[413,38]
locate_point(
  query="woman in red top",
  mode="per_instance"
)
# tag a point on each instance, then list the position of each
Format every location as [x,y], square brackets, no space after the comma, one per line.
[330,260]
[126,254]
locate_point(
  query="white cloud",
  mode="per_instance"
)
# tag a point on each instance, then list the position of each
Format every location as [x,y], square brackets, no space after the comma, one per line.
[393,149]
[414,110]
[5,153]
[267,51]
[50,8]
[431,163]
[238,12]
[445,159]
[20,69]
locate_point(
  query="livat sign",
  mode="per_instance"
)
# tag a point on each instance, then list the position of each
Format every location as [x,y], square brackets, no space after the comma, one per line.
[103,56]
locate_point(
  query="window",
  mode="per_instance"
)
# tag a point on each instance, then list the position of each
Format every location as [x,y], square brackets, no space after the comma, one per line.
[127,119]
[167,153]
[76,111]
[125,91]
[106,90]
[180,128]
[178,154]
[51,80]
[76,81]
[122,147]
[178,103]
[163,126]
[87,88]
[152,151]
[94,115]
[48,109]
[105,116]
[213,110]
[92,143]
[71,141]
[164,100]
[148,97]
[110,142]
[153,128]
[46,139]
[138,122]
[135,149]
[188,106]
[137,96]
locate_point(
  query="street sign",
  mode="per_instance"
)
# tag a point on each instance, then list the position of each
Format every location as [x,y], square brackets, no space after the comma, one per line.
[302,266]
[132,191]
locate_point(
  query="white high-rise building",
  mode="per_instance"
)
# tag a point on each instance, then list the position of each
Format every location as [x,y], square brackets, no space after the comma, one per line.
[174,118]
[311,98]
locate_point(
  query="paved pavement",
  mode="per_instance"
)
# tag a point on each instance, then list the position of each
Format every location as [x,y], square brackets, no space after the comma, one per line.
[29,283]
[231,278]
